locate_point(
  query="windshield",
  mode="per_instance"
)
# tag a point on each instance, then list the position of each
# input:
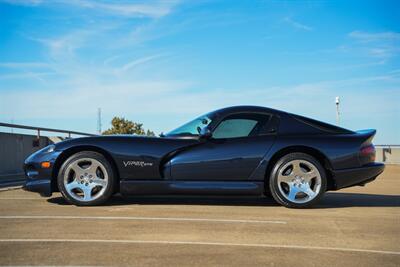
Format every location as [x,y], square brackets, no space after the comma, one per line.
[191,128]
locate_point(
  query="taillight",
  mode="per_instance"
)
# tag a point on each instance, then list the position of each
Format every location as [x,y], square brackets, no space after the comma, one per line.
[367,153]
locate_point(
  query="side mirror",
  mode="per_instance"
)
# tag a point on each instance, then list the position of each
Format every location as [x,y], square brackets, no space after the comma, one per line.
[205,133]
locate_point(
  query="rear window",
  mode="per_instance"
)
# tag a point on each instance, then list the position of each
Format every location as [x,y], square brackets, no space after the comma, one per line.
[322,125]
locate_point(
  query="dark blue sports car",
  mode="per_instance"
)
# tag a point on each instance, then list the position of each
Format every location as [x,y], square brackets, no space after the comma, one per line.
[242,150]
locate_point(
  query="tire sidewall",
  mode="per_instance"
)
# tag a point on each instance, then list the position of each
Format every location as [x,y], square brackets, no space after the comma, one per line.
[110,185]
[273,181]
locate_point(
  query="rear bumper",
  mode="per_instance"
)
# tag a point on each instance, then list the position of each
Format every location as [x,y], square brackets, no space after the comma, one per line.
[357,176]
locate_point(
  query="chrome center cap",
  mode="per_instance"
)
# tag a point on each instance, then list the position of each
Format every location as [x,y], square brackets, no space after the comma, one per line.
[298,180]
[86,178]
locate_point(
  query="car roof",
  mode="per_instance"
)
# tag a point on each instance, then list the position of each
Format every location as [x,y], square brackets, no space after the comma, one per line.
[290,123]
[239,109]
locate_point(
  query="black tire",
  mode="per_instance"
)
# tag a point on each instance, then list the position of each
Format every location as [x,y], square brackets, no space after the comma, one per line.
[109,188]
[273,181]
[267,191]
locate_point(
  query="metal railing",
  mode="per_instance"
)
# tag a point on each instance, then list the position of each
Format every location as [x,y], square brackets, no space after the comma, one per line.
[39,129]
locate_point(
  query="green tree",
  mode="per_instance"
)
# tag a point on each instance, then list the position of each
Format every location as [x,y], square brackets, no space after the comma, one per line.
[150,133]
[124,126]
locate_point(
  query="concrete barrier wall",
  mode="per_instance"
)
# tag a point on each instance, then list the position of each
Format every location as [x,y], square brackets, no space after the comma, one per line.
[388,154]
[14,149]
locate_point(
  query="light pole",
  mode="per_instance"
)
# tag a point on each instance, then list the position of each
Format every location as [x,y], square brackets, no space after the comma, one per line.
[99,121]
[337,101]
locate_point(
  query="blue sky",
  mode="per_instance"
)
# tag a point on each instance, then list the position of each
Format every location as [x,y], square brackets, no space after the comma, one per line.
[164,62]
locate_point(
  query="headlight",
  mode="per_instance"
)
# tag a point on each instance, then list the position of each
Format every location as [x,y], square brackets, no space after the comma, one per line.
[47,149]
[50,148]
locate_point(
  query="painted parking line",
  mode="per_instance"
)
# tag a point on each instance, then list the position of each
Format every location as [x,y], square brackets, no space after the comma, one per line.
[10,186]
[55,217]
[161,242]
[21,198]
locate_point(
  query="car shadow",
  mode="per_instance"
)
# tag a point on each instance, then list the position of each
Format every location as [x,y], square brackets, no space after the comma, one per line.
[343,200]
[118,200]
[330,200]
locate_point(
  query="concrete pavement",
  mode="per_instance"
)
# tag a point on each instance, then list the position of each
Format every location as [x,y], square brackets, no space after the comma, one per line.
[355,226]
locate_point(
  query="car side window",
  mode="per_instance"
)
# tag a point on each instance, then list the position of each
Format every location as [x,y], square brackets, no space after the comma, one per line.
[241,125]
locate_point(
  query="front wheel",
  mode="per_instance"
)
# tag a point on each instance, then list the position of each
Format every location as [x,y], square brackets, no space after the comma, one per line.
[86,179]
[297,181]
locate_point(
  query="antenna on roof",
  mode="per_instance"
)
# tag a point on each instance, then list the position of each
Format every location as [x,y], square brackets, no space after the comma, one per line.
[99,120]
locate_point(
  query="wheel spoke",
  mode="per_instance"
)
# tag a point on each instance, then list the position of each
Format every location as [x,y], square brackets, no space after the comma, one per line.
[73,185]
[307,190]
[79,171]
[87,193]
[293,190]
[296,168]
[99,182]
[93,167]
[308,176]
[285,178]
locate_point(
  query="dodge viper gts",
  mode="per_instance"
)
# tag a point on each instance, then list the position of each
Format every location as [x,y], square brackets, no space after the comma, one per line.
[243,150]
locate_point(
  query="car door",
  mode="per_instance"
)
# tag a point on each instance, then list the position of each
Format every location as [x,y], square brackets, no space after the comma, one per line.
[238,144]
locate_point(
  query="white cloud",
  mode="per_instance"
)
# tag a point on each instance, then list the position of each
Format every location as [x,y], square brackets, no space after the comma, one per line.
[174,97]
[381,52]
[372,37]
[155,9]
[170,103]
[26,75]
[23,65]
[79,99]
[64,46]
[136,63]
[297,24]
[112,76]
[67,51]
[23,2]
[381,45]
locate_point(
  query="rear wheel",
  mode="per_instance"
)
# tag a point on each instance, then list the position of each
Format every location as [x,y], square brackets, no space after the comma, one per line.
[298,181]
[86,179]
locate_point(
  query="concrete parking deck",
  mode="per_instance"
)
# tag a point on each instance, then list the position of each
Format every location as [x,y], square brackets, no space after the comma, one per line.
[353,227]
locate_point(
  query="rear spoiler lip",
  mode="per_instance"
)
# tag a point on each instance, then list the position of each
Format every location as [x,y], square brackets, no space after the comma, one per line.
[366,135]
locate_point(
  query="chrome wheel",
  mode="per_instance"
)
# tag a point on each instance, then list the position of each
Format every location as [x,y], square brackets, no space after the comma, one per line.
[299,181]
[85,179]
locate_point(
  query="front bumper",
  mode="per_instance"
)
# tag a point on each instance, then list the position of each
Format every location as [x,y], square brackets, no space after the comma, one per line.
[357,176]
[40,179]
[41,186]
